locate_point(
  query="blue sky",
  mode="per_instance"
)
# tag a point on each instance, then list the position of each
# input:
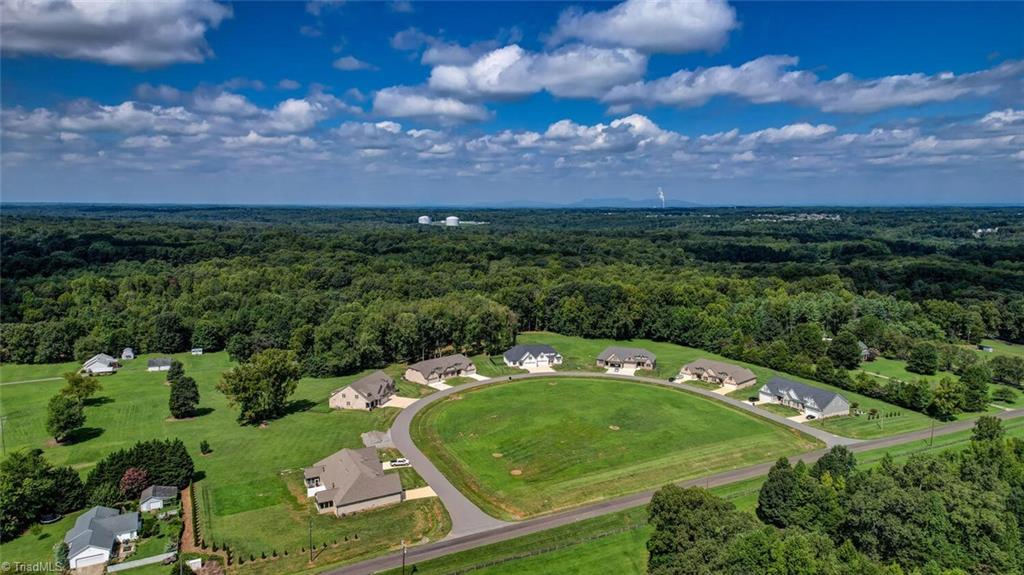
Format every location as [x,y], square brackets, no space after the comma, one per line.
[196,101]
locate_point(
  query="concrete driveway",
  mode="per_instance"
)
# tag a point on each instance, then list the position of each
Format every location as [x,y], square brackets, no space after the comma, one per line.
[478,377]
[440,386]
[621,370]
[419,493]
[400,402]
[539,369]
[798,418]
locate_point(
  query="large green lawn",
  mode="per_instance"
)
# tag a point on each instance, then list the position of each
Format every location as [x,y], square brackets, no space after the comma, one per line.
[897,369]
[244,481]
[616,542]
[536,446]
[581,354]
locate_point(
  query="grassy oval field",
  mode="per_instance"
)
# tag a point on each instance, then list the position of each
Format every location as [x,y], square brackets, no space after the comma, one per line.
[536,446]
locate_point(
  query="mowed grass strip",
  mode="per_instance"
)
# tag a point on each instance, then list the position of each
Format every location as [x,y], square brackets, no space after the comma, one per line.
[530,447]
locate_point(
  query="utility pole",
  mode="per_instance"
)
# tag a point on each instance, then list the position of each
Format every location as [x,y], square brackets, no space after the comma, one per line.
[403,556]
[931,437]
[310,540]
[3,437]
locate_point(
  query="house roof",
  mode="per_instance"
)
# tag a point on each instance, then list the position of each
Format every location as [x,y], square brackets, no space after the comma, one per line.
[353,475]
[101,358]
[97,527]
[442,364]
[128,350]
[808,395]
[377,385]
[517,353]
[159,492]
[739,374]
[625,353]
[159,362]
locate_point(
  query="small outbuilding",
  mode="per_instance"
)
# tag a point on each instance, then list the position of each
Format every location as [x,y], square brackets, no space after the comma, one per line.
[197,351]
[367,393]
[532,355]
[439,369]
[100,364]
[128,353]
[154,496]
[159,364]
[986,348]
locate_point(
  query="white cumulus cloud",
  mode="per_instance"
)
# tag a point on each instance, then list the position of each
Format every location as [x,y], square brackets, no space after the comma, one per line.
[401,102]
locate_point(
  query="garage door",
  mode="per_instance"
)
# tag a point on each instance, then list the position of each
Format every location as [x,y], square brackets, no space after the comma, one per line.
[85,560]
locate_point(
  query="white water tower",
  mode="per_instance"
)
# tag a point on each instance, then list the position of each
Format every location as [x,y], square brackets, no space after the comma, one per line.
[451,221]
[425,220]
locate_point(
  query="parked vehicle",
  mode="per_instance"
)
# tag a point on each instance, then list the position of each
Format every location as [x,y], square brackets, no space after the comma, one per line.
[400,462]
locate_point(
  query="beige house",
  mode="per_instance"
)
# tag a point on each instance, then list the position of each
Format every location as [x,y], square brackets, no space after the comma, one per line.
[439,369]
[367,393]
[626,357]
[352,480]
[717,372]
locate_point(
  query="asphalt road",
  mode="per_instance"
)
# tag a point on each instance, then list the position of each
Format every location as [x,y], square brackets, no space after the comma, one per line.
[472,528]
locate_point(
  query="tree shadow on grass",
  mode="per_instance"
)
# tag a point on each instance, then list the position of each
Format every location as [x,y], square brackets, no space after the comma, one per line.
[201,411]
[297,406]
[198,475]
[96,401]
[82,434]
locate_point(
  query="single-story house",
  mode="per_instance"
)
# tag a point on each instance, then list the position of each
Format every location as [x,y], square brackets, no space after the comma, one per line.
[718,372]
[532,355]
[153,497]
[352,480]
[127,353]
[197,351]
[91,540]
[100,364]
[439,369]
[809,400]
[628,357]
[366,393]
[159,364]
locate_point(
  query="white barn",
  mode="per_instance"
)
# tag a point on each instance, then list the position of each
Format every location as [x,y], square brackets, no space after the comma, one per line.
[100,364]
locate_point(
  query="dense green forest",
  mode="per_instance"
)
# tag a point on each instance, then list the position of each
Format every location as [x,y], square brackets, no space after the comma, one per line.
[955,512]
[348,289]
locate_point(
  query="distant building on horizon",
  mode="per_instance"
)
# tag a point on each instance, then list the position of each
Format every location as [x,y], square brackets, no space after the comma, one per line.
[425,220]
[451,221]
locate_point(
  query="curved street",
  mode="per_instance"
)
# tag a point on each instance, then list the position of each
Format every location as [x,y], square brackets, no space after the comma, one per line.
[471,527]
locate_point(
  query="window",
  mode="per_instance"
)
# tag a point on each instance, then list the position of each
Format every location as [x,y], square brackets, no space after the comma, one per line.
[325,505]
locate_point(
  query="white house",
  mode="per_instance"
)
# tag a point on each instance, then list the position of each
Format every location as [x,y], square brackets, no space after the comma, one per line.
[159,364]
[154,496]
[809,400]
[91,540]
[100,364]
[197,351]
[532,355]
[128,353]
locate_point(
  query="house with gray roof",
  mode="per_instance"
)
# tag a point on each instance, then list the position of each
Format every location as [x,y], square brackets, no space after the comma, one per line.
[811,401]
[626,357]
[91,541]
[532,355]
[439,369]
[366,393]
[351,480]
[159,364]
[718,372]
[100,364]
[154,496]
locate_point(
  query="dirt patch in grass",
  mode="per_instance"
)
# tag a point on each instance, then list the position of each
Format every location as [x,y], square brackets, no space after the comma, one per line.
[497,455]
[516,472]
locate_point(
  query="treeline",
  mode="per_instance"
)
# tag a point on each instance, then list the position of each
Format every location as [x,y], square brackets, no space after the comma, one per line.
[349,289]
[955,512]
